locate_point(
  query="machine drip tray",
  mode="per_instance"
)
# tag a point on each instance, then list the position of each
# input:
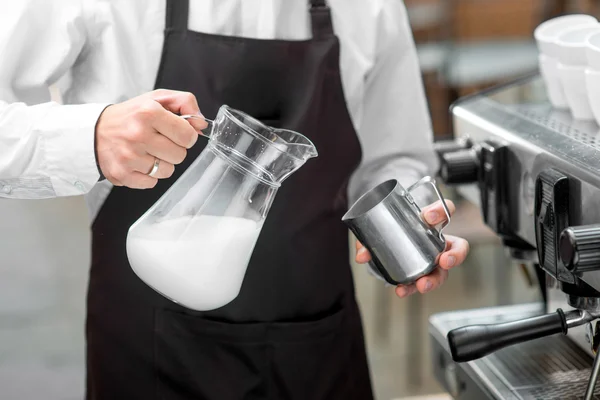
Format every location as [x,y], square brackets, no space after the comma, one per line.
[552,368]
[549,368]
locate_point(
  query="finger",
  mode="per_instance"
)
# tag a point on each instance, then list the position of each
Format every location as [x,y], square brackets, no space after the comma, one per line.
[358,245]
[137,180]
[199,124]
[432,281]
[435,214]
[405,290]
[177,129]
[455,254]
[363,256]
[181,103]
[114,181]
[163,148]
[145,165]
[165,170]
[108,174]
[176,101]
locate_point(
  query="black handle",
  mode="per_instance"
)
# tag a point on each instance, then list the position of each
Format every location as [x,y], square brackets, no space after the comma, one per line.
[446,146]
[459,167]
[472,342]
[579,248]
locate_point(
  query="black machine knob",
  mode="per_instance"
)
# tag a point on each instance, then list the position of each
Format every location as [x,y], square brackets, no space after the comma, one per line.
[579,248]
[447,146]
[460,167]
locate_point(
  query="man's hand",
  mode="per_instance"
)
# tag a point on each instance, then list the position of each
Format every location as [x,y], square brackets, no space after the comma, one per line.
[455,254]
[132,134]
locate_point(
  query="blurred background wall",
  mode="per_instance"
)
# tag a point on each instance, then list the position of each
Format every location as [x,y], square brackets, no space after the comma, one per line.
[468,45]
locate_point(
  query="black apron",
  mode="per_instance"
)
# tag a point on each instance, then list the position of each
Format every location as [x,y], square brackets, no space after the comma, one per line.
[294,331]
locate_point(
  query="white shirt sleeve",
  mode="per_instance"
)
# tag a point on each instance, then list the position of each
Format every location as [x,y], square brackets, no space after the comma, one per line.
[46,149]
[395,128]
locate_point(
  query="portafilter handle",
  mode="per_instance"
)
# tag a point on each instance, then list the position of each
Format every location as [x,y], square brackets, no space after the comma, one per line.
[475,341]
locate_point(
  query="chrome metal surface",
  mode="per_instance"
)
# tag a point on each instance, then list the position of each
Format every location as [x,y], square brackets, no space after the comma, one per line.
[550,368]
[591,304]
[579,317]
[430,181]
[388,222]
[558,299]
[538,137]
[589,392]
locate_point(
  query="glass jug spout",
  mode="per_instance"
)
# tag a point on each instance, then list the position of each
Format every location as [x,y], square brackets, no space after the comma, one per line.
[269,153]
[290,151]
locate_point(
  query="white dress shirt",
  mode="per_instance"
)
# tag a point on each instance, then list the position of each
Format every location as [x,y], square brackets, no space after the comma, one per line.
[107,51]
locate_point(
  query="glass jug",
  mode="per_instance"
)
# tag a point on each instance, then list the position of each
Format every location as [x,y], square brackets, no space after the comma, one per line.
[194,244]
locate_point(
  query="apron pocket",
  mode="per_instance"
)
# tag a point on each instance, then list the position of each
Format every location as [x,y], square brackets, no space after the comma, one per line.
[313,366]
[201,359]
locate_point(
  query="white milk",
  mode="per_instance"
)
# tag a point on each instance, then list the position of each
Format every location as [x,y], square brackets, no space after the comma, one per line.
[197,261]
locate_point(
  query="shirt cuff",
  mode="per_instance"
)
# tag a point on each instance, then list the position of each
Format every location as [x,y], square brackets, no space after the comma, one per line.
[69,146]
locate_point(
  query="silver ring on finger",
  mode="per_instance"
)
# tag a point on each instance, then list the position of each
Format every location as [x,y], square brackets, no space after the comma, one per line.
[154,169]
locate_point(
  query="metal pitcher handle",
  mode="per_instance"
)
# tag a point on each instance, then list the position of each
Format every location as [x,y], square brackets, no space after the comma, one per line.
[431,181]
[206,131]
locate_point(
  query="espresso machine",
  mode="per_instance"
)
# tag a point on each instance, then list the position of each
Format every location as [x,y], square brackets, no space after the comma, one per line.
[535,173]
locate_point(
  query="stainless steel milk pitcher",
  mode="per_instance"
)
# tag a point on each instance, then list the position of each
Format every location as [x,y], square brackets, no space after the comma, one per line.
[388,222]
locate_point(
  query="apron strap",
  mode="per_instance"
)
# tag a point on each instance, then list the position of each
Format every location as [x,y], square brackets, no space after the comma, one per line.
[320,16]
[177,14]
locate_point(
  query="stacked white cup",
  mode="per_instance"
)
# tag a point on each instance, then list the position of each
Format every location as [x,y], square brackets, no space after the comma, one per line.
[572,45]
[546,35]
[592,73]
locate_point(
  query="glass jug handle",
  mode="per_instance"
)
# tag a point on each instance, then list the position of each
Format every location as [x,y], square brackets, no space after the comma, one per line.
[206,131]
[429,180]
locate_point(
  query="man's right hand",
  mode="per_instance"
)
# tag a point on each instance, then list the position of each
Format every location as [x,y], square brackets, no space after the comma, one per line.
[131,135]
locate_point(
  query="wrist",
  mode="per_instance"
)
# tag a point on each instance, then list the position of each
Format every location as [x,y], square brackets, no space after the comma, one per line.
[69,147]
[101,177]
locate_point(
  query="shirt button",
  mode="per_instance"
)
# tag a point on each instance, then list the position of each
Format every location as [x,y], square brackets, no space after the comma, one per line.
[7,189]
[79,186]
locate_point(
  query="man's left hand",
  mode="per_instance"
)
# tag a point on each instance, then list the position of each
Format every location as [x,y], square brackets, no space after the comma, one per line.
[454,255]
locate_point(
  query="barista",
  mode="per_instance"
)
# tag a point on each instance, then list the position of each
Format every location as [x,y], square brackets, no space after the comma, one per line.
[294,332]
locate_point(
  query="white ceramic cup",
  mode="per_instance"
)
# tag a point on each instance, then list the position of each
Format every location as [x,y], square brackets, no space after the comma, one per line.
[551,77]
[592,73]
[592,51]
[573,82]
[545,35]
[571,47]
[592,82]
